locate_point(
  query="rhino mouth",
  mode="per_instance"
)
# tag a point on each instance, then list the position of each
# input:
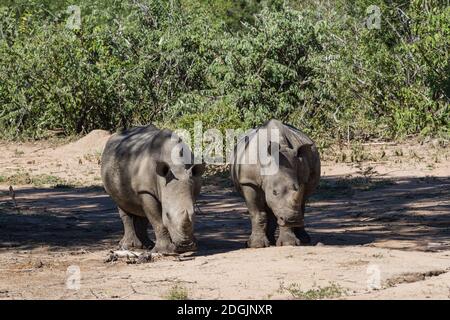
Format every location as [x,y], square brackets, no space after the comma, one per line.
[186,246]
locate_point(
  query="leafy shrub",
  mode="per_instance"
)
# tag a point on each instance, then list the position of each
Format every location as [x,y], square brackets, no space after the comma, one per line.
[314,64]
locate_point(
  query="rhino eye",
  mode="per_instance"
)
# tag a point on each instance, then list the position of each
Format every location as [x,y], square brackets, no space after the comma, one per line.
[162,168]
[275,192]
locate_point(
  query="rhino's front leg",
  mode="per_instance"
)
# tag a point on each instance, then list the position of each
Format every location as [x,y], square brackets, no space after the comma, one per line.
[302,235]
[152,211]
[287,237]
[293,237]
[300,232]
[258,238]
[135,228]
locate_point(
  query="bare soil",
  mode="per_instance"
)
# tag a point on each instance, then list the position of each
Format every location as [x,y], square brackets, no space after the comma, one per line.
[382,212]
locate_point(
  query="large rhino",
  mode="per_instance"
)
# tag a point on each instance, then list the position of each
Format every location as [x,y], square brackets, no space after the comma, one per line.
[276,197]
[145,173]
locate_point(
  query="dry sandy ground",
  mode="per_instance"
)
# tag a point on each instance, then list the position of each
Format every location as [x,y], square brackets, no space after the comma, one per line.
[381,229]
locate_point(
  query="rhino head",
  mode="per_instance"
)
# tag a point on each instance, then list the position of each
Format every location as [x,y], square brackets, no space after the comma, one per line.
[285,190]
[179,185]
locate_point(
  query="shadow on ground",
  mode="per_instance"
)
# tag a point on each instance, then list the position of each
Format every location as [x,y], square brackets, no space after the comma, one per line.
[72,217]
[414,212]
[404,212]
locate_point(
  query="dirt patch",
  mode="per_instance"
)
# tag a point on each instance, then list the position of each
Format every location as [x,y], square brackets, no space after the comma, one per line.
[46,164]
[92,143]
[383,220]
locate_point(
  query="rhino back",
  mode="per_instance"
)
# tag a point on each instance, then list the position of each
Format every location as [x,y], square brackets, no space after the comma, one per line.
[297,138]
[251,172]
[127,162]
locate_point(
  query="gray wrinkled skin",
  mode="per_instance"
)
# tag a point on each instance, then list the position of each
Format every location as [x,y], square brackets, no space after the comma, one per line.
[147,186]
[278,200]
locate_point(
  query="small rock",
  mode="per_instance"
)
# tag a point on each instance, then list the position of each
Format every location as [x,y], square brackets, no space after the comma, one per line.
[111,258]
[145,258]
[4,293]
[319,244]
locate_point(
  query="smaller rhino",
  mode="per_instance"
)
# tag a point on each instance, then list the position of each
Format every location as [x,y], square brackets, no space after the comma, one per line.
[276,199]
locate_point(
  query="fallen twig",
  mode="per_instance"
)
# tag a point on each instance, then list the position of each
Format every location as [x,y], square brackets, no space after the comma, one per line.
[93,293]
[133,257]
[12,194]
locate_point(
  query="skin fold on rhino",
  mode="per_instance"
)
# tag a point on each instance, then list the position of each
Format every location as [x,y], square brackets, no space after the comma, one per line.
[276,200]
[150,185]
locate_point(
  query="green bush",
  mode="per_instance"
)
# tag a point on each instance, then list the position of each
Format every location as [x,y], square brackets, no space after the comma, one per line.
[115,71]
[228,64]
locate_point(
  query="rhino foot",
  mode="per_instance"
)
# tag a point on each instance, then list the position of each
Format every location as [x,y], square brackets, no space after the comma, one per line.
[303,236]
[259,241]
[164,247]
[288,239]
[133,242]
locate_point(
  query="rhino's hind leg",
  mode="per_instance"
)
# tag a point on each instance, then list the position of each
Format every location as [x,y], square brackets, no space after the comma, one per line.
[130,238]
[300,232]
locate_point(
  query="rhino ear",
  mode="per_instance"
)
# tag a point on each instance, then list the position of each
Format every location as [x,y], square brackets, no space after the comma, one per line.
[162,168]
[198,169]
[303,149]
